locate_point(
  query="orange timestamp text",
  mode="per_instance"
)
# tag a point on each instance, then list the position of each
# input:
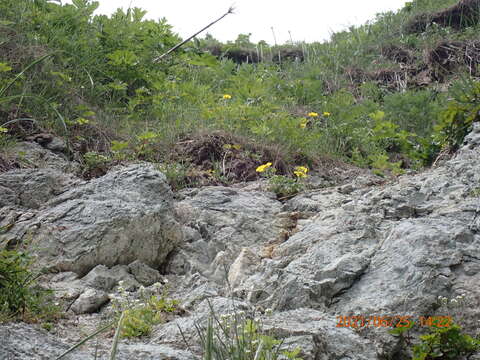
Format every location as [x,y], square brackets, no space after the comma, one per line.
[397,321]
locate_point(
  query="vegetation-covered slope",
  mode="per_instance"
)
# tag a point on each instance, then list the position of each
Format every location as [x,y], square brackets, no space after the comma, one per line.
[391,94]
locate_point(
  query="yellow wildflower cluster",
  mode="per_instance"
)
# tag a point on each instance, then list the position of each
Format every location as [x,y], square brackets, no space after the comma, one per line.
[263,167]
[227,96]
[301,171]
[314,114]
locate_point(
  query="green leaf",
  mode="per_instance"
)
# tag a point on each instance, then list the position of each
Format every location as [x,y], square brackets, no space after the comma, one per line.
[122,58]
[118,146]
[4,67]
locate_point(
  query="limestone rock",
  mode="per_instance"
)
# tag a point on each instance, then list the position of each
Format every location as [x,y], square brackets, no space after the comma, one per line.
[124,216]
[33,155]
[32,188]
[143,273]
[241,267]
[103,278]
[89,301]
[222,221]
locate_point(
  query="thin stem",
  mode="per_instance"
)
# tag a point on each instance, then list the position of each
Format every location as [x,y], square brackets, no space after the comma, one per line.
[230,11]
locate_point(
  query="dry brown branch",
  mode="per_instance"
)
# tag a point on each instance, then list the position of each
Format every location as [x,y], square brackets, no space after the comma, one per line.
[230,11]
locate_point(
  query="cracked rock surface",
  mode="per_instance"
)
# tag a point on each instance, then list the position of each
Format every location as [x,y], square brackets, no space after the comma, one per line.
[356,249]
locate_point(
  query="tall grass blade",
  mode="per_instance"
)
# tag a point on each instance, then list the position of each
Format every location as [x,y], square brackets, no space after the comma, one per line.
[118,331]
[259,351]
[33,63]
[80,343]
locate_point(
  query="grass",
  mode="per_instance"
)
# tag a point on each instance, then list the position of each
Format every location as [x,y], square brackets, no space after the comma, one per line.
[105,89]
[394,102]
[21,298]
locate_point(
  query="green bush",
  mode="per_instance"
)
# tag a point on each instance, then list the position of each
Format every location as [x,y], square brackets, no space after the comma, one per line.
[447,343]
[462,111]
[284,186]
[140,315]
[20,297]
[95,79]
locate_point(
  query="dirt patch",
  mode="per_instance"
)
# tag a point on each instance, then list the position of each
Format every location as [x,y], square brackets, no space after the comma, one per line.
[447,56]
[464,14]
[397,54]
[7,164]
[392,79]
[234,157]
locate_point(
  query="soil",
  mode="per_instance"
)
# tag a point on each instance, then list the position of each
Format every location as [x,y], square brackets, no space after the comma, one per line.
[448,56]
[398,54]
[461,15]
[237,157]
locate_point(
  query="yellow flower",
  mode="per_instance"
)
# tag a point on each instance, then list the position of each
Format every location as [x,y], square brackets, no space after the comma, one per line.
[312,114]
[227,96]
[303,125]
[326,113]
[301,171]
[264,167]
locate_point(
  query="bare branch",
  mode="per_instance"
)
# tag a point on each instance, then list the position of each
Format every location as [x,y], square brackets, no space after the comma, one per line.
[230,11]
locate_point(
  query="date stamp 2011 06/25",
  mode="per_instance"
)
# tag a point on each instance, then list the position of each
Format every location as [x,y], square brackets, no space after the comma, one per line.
[397,321]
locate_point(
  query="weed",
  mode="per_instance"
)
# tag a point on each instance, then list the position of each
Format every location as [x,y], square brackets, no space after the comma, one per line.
[95,164]
[475,192]
[283,186]
[445,343]
[456,121]
[20,296]
[237,336]
[139,315]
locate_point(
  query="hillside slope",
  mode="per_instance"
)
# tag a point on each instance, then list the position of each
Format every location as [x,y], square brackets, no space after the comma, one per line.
[390,95]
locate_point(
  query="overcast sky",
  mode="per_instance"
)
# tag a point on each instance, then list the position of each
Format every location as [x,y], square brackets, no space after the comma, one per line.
[309,20]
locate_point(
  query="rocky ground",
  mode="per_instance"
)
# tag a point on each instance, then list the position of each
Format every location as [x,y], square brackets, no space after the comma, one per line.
[355,249]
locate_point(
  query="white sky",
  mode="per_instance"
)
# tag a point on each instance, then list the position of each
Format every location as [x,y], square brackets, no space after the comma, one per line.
[309,20]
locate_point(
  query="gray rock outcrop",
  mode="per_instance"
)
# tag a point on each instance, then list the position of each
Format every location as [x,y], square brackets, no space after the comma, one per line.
[356,249]
[126,215]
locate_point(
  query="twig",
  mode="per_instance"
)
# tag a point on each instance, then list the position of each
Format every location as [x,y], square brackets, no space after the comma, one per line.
[230,11]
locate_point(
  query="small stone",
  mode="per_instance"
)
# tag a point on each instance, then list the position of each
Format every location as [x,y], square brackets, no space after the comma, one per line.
[144,274]
[90,301]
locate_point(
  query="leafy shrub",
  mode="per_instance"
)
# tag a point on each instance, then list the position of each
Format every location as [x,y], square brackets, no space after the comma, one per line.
[462,111]
[414,111]
[284,186]
[446,343]
[19,295]
[139,315]
[95,164]
[177,174]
